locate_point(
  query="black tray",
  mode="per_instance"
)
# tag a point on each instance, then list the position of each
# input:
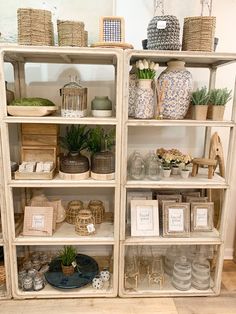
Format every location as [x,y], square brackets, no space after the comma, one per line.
[88,269]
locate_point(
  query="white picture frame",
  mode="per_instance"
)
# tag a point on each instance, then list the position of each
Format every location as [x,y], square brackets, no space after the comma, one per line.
[135,195]
[144,218]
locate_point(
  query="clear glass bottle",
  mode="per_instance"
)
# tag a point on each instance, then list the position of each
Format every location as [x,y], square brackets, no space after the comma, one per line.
[137,167]
[153,168]
[182,274]
[172,253]
[201,273]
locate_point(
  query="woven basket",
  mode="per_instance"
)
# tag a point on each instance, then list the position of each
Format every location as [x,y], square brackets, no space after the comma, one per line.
[98,210]
[198,33]
[35,27]
[72,33]
[72,211]
[83,219]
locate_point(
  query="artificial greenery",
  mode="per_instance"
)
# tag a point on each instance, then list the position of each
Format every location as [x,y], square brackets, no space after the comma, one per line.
[100,139]
[68,255]
[200,97]
[32,102]
[220,96]
[75,139]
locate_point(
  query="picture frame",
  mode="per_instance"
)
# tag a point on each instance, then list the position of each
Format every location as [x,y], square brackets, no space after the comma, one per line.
[135,195]
[176,219]
[112,29]
[168,197]
[190,194]
[202,216]
[194,199]
[38,221]
[144,218]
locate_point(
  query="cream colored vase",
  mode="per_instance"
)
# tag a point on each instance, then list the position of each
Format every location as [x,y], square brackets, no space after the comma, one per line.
[200,112]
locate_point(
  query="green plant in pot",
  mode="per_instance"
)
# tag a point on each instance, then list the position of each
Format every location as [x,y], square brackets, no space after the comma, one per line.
[199,100]
[217,101]
[100,143]
[68,257]
[74,141]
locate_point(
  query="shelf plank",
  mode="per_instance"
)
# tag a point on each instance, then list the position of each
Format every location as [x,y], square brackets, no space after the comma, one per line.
[58,182]
[175,181]
[211,238]
[183,123]
[65,234]
[62,120]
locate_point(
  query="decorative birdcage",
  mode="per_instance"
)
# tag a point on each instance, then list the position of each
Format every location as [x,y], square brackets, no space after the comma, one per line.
[84,224]
[74,100]
[98,210]
[72,211]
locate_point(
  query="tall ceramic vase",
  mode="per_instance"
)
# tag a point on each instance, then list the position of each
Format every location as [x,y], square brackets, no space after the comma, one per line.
[144,102]
[176,85]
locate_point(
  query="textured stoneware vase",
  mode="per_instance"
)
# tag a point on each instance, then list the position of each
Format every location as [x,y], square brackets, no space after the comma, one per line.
[74,163]
[176,83]
[144,102]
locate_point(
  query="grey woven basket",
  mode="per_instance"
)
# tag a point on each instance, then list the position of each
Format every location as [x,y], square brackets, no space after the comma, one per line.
[35,27]
[71,33]
[167,38]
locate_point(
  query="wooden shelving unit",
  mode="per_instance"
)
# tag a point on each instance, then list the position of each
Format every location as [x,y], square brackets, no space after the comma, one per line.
[107,234]
[216,238]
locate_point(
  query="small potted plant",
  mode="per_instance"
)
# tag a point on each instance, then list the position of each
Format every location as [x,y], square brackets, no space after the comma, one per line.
[199,100]
[74,142]
[68,257]
[185,159]
[100,143]
[176,160]
[166,159]
[217,101]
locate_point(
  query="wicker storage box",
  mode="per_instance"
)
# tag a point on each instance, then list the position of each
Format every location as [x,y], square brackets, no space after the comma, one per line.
[72,33]
[198,33]
[35,27]
[163,33]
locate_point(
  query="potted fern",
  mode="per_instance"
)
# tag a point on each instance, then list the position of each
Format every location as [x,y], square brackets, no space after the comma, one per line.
[74,141]
[199,100]
[100,143]
[68,257]
[217,101]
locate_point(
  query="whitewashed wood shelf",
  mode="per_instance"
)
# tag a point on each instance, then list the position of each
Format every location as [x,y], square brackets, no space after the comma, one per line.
[1,240]
[65,234]
[62,120]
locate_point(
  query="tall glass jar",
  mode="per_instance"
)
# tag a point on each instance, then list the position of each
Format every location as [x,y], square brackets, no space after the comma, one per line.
[201,273]
[153,168]
[137,167]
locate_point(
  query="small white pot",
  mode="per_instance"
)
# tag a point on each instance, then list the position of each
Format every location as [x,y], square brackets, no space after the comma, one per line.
[175,170]
[185,173]
[166,173]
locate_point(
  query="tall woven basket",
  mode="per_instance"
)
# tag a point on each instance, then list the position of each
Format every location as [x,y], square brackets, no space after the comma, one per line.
[198,33]
[71,33]
[35,27]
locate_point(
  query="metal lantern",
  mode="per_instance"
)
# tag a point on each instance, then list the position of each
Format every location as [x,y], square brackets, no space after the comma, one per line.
[74,100]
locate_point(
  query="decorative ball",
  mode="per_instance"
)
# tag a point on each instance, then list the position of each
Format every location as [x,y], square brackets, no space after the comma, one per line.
[97,282]
[105,275]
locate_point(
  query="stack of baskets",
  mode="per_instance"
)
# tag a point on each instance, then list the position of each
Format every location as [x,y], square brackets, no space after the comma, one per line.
[198,33]
[35,27]
[71,33]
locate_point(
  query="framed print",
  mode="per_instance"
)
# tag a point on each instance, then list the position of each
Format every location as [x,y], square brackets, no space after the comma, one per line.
[144,218]
[192,199]
[168,197]
[176,219]
[202,216]
[38,221]
[135,195]
[112,29]
[190,194]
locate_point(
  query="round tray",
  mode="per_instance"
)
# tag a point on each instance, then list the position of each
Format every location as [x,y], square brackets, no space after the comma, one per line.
[31,111]
[88,269]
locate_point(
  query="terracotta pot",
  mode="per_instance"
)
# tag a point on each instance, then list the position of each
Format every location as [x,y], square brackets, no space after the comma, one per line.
[67,270]
[200,112]
[218,113]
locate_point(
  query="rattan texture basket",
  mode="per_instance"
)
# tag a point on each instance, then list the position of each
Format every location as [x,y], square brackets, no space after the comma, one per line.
[83,219]
[167,38]
[198,33]
[35,27]
[72,33]
[72,211]
[98,210]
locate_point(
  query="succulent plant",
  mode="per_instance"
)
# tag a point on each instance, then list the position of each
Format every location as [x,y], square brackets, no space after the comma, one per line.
[200,97]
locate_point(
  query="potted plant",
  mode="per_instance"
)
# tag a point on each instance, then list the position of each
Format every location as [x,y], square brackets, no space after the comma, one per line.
[185,159]
[199,100]
[74,142]
[68,258]
[99,144]
[166,158]
[217,101]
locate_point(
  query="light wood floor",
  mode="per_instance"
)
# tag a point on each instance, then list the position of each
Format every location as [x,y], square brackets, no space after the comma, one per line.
[224,304]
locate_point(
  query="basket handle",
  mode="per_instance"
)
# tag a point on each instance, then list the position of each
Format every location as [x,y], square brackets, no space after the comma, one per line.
[208,4]
[158,4]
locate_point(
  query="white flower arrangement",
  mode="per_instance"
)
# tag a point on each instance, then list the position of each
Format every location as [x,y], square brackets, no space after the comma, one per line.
[172,157]
[146,69]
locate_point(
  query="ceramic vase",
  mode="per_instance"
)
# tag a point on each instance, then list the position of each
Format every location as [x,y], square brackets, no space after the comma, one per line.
[132,94]
[74,162]
[144,101]
[176,85]
[101,106]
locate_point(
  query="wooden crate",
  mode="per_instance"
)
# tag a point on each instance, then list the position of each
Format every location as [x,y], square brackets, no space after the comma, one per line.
[30,128]
[38,153]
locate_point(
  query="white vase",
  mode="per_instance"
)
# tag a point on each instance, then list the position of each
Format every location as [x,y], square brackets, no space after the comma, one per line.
[144,101]
[185,173]
[166,173]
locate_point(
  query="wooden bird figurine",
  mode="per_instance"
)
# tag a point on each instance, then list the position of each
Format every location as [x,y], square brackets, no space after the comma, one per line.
[216,152]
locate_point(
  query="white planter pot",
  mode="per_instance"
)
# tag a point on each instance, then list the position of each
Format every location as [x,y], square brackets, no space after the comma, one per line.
[185,173]
[175,170]
[166,173]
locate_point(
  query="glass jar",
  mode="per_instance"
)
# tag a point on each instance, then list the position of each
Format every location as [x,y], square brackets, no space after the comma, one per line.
[153,168]
[27,283]
[137,167]
[170,258]
[201,273]
[21,276]
[38,282]
[182,274]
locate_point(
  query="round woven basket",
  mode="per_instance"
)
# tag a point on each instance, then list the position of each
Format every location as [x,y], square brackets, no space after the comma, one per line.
[71,33]
[198,33]
[35,27]
[72,211]
[83,219]
[98,210]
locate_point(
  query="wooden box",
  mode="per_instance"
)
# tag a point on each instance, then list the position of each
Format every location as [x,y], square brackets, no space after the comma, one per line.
[37,129]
